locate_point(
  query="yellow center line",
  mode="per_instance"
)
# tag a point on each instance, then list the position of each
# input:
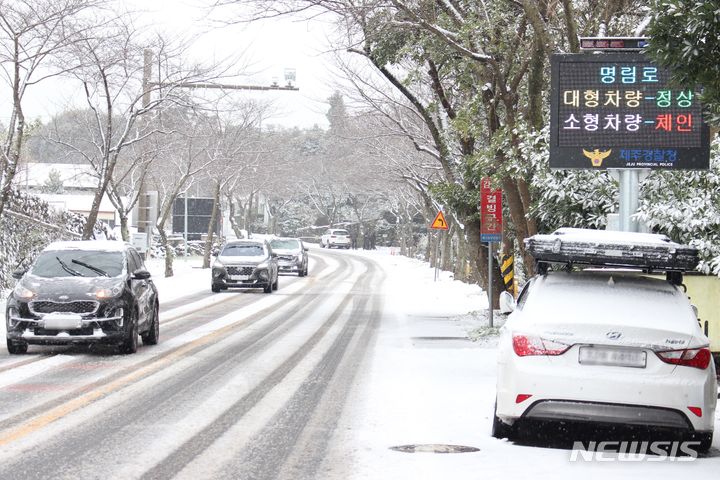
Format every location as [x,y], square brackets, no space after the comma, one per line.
[41,421]
[13,434]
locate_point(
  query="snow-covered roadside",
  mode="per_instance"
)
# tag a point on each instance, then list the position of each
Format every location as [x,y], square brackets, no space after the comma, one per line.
[187,272]
[425,383]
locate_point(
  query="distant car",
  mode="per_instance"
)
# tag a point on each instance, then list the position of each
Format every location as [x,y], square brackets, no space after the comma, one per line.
[607,347]
[335,237]
[292,255]
[245,264]
[83,292]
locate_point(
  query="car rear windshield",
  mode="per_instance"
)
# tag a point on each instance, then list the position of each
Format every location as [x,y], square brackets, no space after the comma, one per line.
[587,298]
[243,250]
[285,244]
[339,232]
[78,263]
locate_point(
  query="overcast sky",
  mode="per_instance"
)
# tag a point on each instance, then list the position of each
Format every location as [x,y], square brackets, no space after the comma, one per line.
[269,47]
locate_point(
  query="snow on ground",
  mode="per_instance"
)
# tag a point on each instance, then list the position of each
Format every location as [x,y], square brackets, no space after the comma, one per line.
[425,383]
[187,279]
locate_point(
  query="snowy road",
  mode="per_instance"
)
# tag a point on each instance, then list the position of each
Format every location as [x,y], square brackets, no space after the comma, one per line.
[241,381]
[317,380]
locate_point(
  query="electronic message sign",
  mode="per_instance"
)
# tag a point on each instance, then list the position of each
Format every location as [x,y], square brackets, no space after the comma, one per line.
[619,111]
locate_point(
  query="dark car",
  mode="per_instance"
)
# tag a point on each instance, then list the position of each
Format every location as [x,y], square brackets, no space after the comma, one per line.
[292,255]
[245,264]
[83,292]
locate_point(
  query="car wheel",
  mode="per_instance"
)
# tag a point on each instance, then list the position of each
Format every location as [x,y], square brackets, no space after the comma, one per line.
[277,279]
[301,272]
[501,429]
[215,288]
[130,344]
[152,336]
[268,288]
[16,348]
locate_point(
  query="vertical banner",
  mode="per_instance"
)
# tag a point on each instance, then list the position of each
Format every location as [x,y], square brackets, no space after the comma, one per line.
[490,212]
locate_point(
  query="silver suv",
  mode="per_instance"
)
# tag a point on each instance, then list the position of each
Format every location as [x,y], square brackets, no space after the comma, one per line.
[245,264]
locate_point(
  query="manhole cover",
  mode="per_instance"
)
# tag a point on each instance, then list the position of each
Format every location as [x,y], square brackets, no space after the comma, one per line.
[434,448]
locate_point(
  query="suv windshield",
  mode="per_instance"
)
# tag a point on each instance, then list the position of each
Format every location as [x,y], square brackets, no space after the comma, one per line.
[243,250]
[285,244]
[78,263]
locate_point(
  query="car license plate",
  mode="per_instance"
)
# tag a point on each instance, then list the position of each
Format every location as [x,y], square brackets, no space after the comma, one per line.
[618,357]
[239,277]
[63,322]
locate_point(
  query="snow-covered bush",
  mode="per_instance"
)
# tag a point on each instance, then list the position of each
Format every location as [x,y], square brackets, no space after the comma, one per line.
[567,198]
[685,205]
[28,224]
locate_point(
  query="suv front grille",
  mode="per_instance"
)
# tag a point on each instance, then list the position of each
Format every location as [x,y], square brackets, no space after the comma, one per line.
[240,270]
[80,307]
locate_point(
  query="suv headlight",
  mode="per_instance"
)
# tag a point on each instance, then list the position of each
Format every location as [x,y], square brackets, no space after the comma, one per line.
[105,293]
[23,293]
[264,264]
[218,264]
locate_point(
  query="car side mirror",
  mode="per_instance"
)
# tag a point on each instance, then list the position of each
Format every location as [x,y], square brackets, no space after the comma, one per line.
[306,249]
[507,303]
[140,274]
[18,273]
[274,255]
[695,310]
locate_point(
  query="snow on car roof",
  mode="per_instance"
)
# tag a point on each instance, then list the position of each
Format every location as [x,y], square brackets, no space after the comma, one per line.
[609,236]
[97,245]
[247,241]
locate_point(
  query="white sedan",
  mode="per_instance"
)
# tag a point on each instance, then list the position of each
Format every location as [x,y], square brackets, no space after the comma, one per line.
[606,348]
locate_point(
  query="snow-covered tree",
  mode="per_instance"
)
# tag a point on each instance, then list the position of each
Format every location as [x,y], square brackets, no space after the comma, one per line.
[684,36]
[685,205]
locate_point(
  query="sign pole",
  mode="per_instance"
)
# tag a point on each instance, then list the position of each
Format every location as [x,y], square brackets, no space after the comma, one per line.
[438,224]
[629,201]
[490,289]
[437,256]
[490,229]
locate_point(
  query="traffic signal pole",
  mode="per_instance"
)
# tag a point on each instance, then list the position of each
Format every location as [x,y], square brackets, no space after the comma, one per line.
[143,220]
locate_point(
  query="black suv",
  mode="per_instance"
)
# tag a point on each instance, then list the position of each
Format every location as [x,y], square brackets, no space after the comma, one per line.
[83,292]
[245,264]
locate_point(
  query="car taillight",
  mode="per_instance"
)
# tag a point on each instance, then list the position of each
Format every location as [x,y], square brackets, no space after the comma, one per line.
[694,357]
[525,345]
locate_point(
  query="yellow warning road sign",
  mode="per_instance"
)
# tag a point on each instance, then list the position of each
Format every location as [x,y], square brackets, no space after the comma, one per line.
[439,223]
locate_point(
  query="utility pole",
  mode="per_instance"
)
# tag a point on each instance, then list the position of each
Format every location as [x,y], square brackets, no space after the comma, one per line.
[143,214]
[143,221]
